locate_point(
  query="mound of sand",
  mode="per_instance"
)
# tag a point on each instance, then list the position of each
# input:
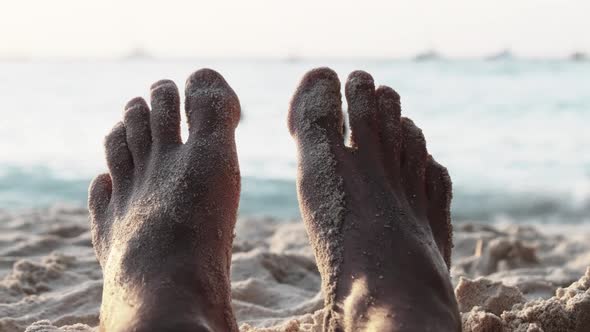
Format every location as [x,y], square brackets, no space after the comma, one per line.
[508,278]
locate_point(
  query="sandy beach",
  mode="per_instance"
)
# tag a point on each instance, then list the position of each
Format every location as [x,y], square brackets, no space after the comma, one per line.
[508,277]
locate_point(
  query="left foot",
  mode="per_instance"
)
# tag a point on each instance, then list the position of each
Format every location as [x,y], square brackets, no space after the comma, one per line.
[163,219]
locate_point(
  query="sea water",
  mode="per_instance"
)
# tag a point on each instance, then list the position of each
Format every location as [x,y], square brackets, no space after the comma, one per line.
[514,134]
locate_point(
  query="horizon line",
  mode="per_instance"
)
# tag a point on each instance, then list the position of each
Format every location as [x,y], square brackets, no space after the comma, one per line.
[418,57]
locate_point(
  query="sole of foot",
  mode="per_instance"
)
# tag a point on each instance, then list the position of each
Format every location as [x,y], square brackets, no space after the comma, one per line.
[377,212]
[163,217]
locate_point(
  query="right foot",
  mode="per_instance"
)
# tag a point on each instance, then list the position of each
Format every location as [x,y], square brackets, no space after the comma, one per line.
[162,220]
[377,213]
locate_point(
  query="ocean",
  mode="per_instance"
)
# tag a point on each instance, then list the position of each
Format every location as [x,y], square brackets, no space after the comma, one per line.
[514,134]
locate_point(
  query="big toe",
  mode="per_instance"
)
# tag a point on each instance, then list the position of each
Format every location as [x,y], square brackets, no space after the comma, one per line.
[211,105]
[315,122]
[315,113]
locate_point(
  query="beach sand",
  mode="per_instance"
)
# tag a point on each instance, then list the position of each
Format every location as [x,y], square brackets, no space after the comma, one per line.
[508,277]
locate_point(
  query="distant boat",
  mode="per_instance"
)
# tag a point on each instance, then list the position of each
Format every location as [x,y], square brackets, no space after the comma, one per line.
[503,55]
[293,58]
[138,54]
[14,58]
[579,56]
[427,56]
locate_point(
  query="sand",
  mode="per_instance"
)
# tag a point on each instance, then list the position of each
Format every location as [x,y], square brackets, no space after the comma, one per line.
[507,277]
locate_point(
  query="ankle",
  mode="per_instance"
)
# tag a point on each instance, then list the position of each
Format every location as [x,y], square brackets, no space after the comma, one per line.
[173,323]
[164,307]
[374,305]
[159,322]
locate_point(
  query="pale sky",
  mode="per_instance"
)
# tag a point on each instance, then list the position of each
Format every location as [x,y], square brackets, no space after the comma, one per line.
[106,28]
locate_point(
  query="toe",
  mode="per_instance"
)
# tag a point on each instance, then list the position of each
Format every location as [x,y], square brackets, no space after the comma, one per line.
[413,165]
[137,125]
[118,156]
[315,112]
[362,110]
[99,196]
[211,105]
[315,122]
[165,116]
[390,131]
[439,194]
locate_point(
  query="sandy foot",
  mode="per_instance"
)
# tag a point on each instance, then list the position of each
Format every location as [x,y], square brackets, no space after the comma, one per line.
[377,212]
[163,219]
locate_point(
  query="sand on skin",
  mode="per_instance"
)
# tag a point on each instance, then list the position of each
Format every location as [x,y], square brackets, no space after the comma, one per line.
[507,275]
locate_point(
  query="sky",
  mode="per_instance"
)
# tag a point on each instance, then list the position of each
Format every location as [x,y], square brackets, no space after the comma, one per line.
[278,28]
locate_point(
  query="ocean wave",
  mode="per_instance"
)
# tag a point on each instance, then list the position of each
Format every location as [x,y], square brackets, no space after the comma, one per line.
[40,187]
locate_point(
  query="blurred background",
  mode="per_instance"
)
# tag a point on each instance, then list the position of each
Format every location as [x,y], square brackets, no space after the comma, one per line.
[501,90]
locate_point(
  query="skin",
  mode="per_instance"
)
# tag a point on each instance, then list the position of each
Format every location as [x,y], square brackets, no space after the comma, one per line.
[163,218]
[377,212]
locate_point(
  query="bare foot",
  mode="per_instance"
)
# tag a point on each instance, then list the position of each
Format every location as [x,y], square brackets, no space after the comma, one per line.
[163,220]
[377,213]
